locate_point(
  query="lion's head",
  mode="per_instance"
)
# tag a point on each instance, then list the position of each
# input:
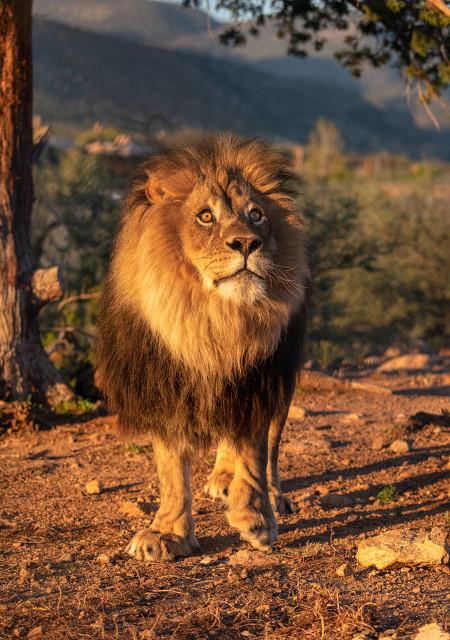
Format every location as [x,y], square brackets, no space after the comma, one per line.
[211,251]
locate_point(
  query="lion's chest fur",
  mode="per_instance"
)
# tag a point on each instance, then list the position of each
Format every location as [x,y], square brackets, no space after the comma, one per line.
[154,392]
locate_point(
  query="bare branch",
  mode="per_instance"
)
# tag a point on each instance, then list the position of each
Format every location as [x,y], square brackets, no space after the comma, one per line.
[76,298]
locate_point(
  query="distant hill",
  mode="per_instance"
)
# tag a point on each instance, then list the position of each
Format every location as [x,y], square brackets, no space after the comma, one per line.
[82,76]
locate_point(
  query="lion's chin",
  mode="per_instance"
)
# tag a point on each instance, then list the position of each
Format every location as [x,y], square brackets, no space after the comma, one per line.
[243,289]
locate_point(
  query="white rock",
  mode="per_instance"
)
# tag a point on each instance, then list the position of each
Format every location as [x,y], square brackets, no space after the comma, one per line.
[432,631]
[409,361]
[404,548]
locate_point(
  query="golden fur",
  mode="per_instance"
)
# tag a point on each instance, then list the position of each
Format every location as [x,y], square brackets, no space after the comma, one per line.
[161,275]
[201,326]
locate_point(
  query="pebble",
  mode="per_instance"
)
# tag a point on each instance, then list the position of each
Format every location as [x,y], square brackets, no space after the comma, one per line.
[399,446]
[344,570]
[297,413]
[36,632]
[377,443]
[336,500]
[135,509]
[103,558]
[351,417]
[93,487]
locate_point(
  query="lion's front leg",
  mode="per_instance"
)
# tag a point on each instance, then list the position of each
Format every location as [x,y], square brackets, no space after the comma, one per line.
[171,534]
[249,508]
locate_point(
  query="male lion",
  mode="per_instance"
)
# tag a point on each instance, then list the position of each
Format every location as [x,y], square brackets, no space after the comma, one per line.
[201,328]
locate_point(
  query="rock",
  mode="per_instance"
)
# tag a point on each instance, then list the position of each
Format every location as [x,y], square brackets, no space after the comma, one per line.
[399,446]
[404,548]
[253,559]
[377,443]
[93,487]
[409,361]
[297,413]
[344,570]
[137,510]
[351,417]
[432,631]
[36,632]
[336,500]
[103,558]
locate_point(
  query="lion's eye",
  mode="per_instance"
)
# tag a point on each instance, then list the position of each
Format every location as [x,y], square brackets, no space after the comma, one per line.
[255,215]
[205,217]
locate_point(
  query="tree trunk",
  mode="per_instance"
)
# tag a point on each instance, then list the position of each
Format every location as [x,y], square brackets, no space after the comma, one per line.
[24,365]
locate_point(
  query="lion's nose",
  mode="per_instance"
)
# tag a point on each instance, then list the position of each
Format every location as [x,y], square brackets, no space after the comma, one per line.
[245,245]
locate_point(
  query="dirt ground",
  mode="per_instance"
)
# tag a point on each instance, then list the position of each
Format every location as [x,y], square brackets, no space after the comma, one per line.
[64,573]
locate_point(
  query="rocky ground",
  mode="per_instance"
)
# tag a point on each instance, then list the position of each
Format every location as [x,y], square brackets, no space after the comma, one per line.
[64,573]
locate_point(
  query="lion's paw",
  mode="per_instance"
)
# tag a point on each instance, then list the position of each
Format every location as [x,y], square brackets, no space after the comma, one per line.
[218,484]
[258,529]
[152,545]
[281,503]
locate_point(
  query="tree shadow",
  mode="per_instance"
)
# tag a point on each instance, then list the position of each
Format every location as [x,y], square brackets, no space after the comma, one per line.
[417,455]
[423,391]
[367,521]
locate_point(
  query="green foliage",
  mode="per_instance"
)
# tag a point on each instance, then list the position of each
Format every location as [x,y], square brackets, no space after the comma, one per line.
[378,233]
[412,35]
[387,494]
[81,405]
[133,448]
[380,262]
[97,133]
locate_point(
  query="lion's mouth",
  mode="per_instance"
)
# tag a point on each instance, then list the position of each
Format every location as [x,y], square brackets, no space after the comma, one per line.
[239,272]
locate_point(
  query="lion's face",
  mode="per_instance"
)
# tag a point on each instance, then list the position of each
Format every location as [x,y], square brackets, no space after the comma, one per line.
[229,238]
[211,252]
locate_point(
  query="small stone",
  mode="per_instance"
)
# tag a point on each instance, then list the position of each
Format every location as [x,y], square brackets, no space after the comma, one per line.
[93,487]
[36,632]
[336,500]
[23,573]
[433,631]
[134,509]
[351,417]
[344,570]
[297,413]
[103,558]
[399,446]
[404,548]
[377,443]
[322,490]
[206,560]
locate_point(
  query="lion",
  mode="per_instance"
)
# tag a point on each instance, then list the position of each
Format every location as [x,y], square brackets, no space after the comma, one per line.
[200,330]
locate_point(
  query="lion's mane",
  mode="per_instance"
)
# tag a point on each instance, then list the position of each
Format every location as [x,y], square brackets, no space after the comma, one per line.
[173,359]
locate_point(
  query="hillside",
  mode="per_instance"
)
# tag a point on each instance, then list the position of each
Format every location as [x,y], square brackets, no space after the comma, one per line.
[171,26]
[82,77]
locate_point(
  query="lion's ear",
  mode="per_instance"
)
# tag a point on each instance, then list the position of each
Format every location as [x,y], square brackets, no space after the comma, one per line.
[163,185]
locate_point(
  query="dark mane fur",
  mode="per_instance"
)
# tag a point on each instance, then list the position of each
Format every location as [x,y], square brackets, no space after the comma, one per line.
[152,393]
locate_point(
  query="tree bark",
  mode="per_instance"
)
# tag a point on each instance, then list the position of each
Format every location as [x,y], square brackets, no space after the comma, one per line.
[24,365]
